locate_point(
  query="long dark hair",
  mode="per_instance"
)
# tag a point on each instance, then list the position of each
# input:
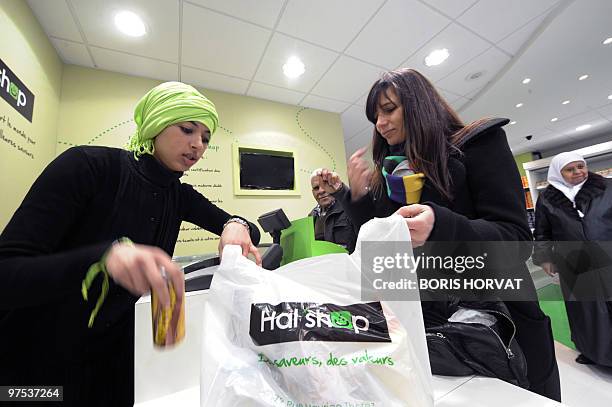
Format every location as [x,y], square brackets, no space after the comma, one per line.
[432,128]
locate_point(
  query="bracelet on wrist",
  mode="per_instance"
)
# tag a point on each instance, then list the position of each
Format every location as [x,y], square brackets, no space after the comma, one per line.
[237,220]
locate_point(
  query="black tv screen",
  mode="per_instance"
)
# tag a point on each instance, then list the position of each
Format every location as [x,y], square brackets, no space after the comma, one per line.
[266,171]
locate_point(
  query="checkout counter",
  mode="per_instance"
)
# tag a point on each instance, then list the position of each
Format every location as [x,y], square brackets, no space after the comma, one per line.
[172,377]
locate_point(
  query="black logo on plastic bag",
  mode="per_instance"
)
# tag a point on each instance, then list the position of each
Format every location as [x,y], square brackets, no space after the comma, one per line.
[306,321]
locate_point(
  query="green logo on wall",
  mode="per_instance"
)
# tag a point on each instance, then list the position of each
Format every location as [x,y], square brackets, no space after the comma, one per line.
[15,93]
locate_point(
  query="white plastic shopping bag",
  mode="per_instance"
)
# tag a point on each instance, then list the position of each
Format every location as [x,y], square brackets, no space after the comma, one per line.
[301,336]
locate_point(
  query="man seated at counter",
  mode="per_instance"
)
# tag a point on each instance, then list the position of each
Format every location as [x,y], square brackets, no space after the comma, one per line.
[331,222]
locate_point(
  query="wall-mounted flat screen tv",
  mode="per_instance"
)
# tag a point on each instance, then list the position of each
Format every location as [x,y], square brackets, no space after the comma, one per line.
[265,171]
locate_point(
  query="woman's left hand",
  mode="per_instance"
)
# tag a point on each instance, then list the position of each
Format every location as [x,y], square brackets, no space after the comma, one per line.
[420,220]
[235,233]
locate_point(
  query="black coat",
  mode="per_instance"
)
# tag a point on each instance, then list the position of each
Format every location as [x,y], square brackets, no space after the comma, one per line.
[580,249]
[488,202]
[83,201]
[337,227]
[557,220]
[488,205]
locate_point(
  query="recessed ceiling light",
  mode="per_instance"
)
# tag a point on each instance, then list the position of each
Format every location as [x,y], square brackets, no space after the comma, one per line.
[436,57]
[554,119]
[512,122]
[526,81]
[130,24]
[583,77]
[565,102]
[610,97]
[583,127]
[607,41]
[518,105]
[294,67]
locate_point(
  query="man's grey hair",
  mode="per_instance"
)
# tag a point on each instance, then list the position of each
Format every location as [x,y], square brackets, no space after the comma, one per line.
[314,173]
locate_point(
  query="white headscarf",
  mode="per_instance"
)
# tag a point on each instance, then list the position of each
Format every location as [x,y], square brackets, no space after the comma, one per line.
[556,179]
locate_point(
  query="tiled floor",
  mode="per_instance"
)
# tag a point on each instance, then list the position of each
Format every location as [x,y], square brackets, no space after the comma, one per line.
[583,385]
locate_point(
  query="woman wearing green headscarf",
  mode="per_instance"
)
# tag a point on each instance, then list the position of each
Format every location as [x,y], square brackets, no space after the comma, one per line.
[101,223]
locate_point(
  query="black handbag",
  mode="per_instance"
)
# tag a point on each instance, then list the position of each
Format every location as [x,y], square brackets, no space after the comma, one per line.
[462,349]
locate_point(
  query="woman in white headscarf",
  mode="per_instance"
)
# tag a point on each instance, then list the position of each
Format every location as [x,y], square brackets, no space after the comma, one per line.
[573,233]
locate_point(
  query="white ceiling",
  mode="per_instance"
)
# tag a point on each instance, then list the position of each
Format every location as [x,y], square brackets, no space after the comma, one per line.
[239,46]
[568,46]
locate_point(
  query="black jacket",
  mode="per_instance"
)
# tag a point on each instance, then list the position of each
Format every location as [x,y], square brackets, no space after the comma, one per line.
[84,200]
[581,250]
[557,220]
[337,227]
[488,205]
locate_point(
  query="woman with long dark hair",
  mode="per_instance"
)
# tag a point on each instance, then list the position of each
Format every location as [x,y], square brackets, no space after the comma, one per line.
[452,182]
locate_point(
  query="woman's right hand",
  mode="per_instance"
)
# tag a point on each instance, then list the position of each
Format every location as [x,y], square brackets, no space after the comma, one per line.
[549,268]
[359,174]
[138,269]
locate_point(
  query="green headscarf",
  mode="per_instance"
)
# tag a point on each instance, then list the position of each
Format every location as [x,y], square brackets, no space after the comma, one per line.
[167,104]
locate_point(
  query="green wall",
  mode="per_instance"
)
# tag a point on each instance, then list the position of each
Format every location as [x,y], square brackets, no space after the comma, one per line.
[26,147]
[522,158]
[75,105]
[97,106]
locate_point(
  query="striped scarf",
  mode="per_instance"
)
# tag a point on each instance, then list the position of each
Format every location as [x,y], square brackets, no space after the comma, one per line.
[403,184]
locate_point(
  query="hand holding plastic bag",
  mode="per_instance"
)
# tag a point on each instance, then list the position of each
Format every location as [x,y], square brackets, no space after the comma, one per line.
[301,336]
